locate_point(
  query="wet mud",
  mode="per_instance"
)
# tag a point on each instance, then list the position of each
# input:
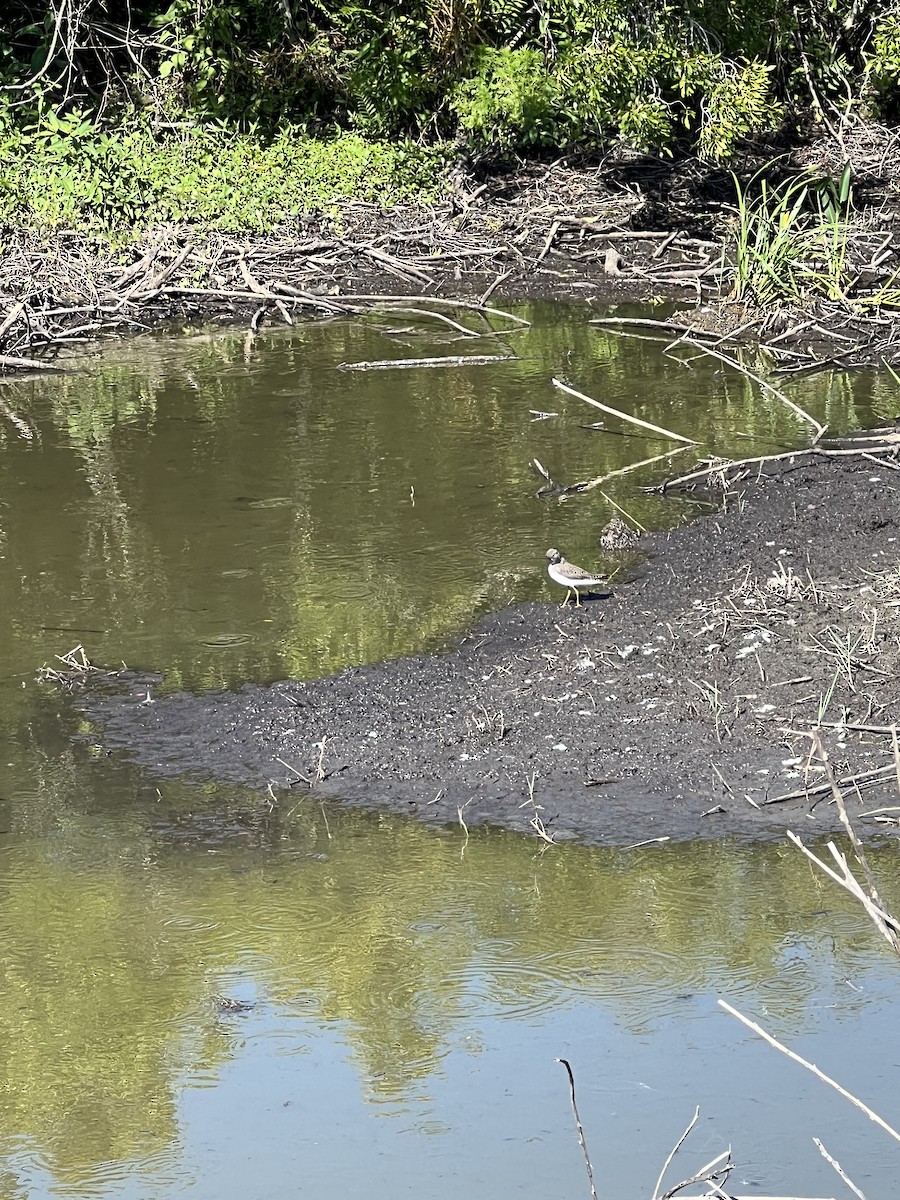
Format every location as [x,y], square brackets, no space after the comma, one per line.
[679,705]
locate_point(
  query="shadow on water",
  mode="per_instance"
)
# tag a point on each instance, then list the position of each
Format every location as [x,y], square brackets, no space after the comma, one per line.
[202,990]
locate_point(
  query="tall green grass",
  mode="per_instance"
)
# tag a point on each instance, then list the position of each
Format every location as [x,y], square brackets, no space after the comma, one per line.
[791,241]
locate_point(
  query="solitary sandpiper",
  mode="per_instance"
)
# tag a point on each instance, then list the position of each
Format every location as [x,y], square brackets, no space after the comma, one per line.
[572,578]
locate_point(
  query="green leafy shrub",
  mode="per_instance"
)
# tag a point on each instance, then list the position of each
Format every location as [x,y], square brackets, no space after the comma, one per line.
[512,75]
[647,96]
[739,102]
[80,178]
[884,66]
[618,90]
[393,77]
[511,100]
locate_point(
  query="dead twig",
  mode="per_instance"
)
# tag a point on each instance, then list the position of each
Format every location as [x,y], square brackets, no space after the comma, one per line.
[868,897]
[773,391]
[675,1149]
[791,1054]
[837,1166]
[582,1143]
[616,412]
[403,364]
[866,778]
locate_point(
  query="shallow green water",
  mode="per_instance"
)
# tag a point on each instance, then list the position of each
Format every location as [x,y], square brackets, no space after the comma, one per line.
[223,509]
[229,509]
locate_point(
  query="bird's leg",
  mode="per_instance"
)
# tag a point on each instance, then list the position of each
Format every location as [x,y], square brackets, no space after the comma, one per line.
[577,598]
[565,602]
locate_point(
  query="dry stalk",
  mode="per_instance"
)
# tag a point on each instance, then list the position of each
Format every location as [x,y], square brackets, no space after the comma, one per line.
[320,768]
[581,1142]
[675,1149]
[624,512]
[712,1174]
[616,412]
[758,1029]
[710,693]
[77,670]
[535,821]
[837,1166]
[868,897]
[320,773]
[460,809]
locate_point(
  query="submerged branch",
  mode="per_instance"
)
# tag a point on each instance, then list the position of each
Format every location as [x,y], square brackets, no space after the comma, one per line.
[767,387]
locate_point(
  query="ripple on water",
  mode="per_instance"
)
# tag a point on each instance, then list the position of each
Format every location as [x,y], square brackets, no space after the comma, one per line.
[225,641]
[504,982]
[161,1171]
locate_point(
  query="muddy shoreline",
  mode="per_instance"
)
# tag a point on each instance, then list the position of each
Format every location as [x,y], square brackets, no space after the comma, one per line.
[677,706]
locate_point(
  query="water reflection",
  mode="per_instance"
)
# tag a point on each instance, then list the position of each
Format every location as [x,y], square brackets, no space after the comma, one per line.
[226,508]
[222,508]
[121,932]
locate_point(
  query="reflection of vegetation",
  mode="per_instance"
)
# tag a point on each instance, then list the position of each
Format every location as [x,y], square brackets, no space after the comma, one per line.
[235,509]
[214,486]
[118,929]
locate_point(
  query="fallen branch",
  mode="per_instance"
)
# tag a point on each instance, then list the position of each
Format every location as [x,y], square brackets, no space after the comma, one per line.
[733,464]
[402,364]
[733,362]
[13,362]
[833,1162]
[471,305]
[563,491]
[866,778]
[644,462]
[615,412]
[666,326]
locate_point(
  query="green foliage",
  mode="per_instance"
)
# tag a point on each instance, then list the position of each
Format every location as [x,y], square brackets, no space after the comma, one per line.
[68,174]
[647,96]
[738,103]
[510,101]
[791,241]
[510,75]
[392,73]
[885,60]
[233,61]
[884,66]
[625,90]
